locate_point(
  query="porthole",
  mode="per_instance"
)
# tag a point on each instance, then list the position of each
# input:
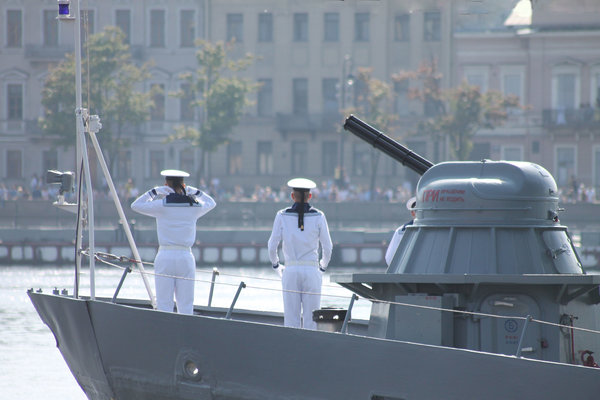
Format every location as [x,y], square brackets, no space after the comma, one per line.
[191,371]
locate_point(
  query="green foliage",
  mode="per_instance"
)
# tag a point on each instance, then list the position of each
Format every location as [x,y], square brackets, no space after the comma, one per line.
[219,96]
[109,81]
[456,113]
[372,106]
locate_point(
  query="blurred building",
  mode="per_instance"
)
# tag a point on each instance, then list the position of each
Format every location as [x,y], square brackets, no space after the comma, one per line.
[309,53]
[547,54]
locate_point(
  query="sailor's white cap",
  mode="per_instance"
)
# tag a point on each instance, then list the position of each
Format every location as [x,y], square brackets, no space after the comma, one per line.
[411,203]
[301,184]
[175,173]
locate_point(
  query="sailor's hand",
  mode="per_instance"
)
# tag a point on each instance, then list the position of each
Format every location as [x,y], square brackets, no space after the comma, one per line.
[190,190]
[279,268]
[163,190]
[321,268]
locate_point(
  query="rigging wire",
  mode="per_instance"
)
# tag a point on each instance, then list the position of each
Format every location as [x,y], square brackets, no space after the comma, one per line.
[418,306]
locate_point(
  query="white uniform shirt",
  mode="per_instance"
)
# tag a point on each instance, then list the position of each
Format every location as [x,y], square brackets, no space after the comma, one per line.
[301,246]
[175,222]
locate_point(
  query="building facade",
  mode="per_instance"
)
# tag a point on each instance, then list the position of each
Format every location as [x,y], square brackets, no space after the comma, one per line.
[308,52]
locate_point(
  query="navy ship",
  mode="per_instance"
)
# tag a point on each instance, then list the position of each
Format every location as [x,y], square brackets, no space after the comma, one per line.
[484,298]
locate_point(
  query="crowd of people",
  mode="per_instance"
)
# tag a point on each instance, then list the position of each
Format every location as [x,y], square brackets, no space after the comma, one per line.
[328,190]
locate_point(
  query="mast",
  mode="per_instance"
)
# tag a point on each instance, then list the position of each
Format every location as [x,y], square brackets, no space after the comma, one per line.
[91,124]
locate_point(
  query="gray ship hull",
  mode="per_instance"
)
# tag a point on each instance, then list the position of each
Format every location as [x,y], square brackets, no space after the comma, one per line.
[124,352]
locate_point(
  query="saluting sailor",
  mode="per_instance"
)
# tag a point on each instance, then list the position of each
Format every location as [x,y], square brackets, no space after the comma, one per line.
[301,228]
[176,207]
[411,205]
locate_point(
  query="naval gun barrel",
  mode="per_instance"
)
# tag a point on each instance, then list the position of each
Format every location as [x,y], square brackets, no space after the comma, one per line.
[387,145]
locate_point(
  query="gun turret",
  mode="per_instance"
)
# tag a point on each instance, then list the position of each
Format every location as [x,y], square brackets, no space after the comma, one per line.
[388,145]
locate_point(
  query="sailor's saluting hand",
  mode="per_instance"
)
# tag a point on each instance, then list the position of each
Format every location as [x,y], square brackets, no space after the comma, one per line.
[161,191]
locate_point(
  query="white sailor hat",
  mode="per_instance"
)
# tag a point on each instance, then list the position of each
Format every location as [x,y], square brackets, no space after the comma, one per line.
[411,203]
[301,184]
[174,173]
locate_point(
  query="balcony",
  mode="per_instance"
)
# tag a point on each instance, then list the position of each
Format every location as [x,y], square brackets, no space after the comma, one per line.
[34,52]
[581,118]
[309,123]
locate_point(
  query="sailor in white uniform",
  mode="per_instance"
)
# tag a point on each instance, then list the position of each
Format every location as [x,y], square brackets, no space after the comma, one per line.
[411,205]
[301,228]
[176,208]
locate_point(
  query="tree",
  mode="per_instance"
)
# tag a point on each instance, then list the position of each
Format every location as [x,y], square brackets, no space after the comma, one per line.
[219,96]
[109,81]
[370,104]
[456,113]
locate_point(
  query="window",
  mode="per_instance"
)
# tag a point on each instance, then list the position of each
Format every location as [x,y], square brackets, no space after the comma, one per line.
[264,158]
[402,28]
[186,109]
[565,88]
[512,85]
[300,27]
[265,27]
[49,160]
[331,29]
[188,28]
[329,158]
[477,76]
[432,27]
[123,164]
[361,27]
[330,95]
[300,93]
[595,92]
[597,169]
[512,153]
[361,160]
[14,28]
[265,98]
[50,29]
[87,24]
[123,22]
[186,159]
[235,27]
[234,158]
[299,156]
[157,162]
[157,113]
[401,100]
[14,164]
[565,165]
[157,28]
[14,101]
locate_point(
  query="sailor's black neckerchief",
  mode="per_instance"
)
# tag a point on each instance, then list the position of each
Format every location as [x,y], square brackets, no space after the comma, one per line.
[407,224]
[180,198]
[301,208]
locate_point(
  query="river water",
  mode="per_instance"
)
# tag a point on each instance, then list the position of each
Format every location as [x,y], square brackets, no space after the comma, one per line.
[31,367]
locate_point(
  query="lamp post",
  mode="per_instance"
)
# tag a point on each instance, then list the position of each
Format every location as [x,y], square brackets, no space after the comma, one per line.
[347,84]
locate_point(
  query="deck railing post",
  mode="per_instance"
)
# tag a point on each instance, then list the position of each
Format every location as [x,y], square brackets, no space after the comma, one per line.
[348,313]
[215,272]
[527,319]
[237,294]
[125,272]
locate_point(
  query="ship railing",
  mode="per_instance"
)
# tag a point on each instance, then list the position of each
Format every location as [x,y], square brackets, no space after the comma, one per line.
[107,259]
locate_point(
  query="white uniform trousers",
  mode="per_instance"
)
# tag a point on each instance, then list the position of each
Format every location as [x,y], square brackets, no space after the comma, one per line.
[175,263]
[301,295]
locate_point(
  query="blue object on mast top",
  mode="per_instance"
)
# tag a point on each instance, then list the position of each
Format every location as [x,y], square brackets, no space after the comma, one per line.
[63,9]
